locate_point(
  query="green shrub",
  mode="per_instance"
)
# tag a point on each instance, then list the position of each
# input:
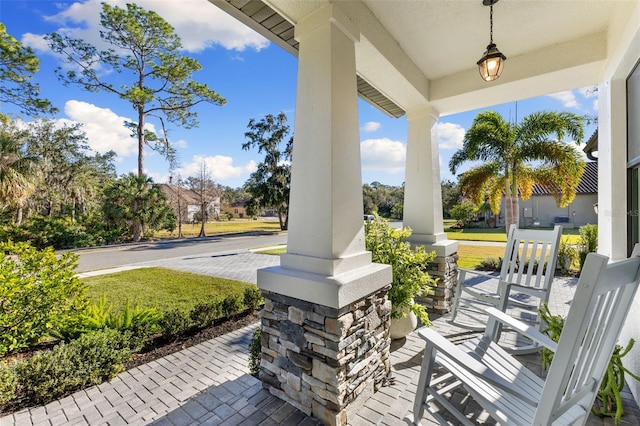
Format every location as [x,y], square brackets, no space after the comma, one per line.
[206,313]
[140,322]
[588,242]
[253,298]
[174,322]
[463,213]
[56,232]
[490,264]
[8,382]
[567,255]
[90,360]
[255,352]
[231,305]
[39,293]
[409,265]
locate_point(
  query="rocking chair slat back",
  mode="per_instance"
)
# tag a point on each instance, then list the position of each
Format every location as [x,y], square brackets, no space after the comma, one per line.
[528,261]
[603,298]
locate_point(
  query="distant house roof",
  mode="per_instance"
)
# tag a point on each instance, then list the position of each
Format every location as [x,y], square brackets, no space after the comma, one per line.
[186,194]
[241,203]
[588,184]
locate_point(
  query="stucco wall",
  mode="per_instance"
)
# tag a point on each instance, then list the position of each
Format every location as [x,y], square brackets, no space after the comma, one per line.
[543,211]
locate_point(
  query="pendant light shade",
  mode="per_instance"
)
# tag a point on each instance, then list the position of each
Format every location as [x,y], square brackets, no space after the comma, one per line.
[492,62]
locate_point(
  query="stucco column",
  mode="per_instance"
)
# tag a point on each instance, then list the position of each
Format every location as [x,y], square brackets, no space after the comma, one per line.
[326,261]
[612,170]
[325,338]
[423,203]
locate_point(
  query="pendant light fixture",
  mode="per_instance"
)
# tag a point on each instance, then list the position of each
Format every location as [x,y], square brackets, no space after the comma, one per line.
[492,62]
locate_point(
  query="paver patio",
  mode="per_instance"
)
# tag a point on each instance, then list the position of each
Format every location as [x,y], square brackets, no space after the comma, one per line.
[209,384]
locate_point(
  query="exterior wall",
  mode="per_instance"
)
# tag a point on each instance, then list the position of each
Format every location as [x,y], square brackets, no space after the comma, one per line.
[613,123]
[542,211]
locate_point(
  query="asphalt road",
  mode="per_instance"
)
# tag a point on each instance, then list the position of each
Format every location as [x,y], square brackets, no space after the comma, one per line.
[95,258]
[113,256]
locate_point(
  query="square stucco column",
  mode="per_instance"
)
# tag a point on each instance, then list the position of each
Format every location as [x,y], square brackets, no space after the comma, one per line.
[612,169]
[423,205]
[325,341]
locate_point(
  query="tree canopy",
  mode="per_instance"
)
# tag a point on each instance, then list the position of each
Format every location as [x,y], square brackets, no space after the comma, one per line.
[133,204]
[146,50]
[19,172]
[18,64]
[515,157]
[270,184]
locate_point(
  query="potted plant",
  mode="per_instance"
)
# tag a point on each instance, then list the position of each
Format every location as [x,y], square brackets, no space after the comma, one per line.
[410,277]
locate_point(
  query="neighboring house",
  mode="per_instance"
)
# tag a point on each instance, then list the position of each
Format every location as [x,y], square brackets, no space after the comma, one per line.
[541,209]
[190,202]
[239,209]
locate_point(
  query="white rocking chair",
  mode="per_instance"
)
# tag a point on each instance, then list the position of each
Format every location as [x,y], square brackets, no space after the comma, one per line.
[511,393]
[528,269]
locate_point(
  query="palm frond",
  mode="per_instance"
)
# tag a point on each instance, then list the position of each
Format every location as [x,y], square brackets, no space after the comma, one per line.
[476,181]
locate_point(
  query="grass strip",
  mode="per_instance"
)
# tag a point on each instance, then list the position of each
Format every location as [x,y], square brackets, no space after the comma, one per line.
[162,288]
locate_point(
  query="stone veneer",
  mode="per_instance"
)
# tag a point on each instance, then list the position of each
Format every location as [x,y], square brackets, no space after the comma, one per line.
[445,270]
[324,361]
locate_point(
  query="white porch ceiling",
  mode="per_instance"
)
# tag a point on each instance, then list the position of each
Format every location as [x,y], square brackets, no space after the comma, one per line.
[424,52]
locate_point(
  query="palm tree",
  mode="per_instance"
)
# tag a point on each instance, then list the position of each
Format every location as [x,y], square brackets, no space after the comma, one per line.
[134,204]
[18,173]
[517,156]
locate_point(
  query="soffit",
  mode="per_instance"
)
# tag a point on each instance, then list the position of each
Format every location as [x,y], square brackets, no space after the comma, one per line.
[413,53]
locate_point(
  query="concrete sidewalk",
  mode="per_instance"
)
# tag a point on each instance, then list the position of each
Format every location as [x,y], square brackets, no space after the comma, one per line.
[209,384]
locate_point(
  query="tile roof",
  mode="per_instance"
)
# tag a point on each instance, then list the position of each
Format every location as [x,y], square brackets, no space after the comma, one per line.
[588,184]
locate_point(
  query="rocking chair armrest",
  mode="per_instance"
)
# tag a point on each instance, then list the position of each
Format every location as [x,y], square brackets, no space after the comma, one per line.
[508,285]
[466,365]
[531,332]
[462,272]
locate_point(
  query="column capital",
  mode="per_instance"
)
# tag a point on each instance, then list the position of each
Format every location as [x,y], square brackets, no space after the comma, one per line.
[423,112]
[330,13]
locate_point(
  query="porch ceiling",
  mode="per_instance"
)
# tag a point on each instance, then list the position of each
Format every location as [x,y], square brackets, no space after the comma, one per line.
[414,53]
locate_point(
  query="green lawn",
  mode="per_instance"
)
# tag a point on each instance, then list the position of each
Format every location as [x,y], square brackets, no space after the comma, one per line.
[469,256]
[227,227]
[162,288]
[572,235]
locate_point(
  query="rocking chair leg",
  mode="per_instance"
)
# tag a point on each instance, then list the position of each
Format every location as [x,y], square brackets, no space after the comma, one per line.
[457,296]
[426,370]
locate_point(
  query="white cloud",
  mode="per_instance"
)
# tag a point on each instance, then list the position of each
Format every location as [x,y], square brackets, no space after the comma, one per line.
[105,129]
[181,143]
[595,105]
[383,155]
[568,99]
[220,166]
[589,91]
[198,23]
[450,135]
[371,126]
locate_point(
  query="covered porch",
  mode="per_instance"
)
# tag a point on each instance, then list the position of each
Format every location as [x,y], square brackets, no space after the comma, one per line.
[327,308]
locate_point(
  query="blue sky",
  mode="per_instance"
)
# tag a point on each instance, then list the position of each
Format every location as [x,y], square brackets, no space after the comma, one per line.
[255,76]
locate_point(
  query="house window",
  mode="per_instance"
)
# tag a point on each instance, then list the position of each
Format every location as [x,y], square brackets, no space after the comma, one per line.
[633,158]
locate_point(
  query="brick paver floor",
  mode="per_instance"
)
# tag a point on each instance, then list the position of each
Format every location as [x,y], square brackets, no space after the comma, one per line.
[209,384]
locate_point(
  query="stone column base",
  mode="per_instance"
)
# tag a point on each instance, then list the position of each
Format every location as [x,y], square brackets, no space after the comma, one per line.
[445,270]
[324,361]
